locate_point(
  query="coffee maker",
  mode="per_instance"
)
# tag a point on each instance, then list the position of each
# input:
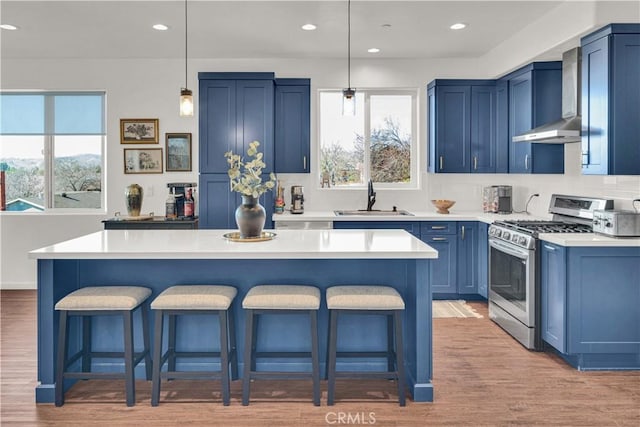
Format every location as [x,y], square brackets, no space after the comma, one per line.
[297,199]
[179,189]
[497,199]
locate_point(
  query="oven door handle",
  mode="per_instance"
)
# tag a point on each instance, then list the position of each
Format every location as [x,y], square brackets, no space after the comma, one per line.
[522,254]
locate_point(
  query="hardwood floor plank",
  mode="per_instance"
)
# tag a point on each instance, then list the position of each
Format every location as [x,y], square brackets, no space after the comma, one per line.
[482,377]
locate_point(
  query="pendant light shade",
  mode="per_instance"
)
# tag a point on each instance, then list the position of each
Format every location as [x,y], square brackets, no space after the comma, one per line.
[186,96]
[349,94]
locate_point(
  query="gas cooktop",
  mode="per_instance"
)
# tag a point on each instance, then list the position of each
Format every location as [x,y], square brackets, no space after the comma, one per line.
[546,226]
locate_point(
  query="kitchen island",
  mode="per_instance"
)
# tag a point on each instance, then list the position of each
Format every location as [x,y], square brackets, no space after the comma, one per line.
[159,259]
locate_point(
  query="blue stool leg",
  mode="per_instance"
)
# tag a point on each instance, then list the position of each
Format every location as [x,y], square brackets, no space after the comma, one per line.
[248,356]
[390,344]
[233,352]
[128,358]
[315,359]
[331,363]
[400,357]
[157,357]
[145,338]
[86,343]
[61,358]
[171,350]
[224,357]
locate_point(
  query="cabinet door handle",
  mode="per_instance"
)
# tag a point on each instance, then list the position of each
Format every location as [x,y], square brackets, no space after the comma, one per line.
[441,162]
[304,162]
[462,234]
[438,227]
[585,158]
[475,163]
[526,162]
[438,239]
[551,248]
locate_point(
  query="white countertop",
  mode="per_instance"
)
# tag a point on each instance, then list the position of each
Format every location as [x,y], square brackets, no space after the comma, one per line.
[417,216]
[210,244]
[589,239]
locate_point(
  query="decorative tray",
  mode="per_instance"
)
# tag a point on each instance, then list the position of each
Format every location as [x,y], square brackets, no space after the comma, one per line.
[133,218]
[235,237]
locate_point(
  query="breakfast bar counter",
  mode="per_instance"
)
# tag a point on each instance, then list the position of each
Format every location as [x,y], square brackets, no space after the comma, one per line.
[159,259]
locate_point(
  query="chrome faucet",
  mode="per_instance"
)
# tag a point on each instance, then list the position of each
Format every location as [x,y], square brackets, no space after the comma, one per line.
[371,196]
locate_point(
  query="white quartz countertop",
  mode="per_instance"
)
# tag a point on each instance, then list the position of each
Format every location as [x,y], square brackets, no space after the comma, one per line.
[211,244]
[417,216]
[589,239]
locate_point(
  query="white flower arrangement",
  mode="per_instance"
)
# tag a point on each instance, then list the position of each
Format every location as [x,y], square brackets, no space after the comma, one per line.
[248,182]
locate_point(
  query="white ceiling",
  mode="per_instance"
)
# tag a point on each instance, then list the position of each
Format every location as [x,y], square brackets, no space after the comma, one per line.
[261,29]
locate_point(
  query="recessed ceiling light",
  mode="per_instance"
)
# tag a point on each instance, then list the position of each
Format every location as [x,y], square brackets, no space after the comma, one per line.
[373,50]
[458,26]
[160,27]
[386,26]
[8,27]
[309,27]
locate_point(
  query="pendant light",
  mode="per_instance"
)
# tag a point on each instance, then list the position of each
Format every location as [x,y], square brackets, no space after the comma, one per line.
[349,94]
[186,96]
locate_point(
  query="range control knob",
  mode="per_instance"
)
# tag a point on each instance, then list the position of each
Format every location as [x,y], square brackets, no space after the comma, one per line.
[514,238]
[522,241]
[506,235]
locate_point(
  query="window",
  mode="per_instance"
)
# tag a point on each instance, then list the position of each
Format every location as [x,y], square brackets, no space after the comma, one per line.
[378,143]
[51,150]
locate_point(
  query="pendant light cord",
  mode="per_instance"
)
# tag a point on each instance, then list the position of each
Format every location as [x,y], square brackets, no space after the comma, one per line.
[186,73]
[349,45]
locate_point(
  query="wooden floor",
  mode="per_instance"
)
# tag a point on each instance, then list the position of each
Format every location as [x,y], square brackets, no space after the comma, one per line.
[482,376]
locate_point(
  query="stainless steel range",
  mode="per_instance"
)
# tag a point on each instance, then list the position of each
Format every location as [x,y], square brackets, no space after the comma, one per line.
[514,278]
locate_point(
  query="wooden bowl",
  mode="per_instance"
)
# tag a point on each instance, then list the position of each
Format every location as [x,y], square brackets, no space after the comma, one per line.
[443,205]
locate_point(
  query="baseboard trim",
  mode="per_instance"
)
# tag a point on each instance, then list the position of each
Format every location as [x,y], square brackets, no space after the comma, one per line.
[17,286]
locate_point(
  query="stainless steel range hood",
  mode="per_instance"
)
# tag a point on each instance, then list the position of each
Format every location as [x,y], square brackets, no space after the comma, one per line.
[568,128]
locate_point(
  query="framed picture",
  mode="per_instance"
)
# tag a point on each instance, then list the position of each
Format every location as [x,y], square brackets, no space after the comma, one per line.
[178,151]
[143,160]
[139,131]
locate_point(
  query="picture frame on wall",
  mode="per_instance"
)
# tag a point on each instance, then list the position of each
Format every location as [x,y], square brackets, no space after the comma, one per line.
[142,160]
[178,152]
[139,131]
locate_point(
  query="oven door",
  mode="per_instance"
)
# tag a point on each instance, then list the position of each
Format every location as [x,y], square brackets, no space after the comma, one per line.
[512,279]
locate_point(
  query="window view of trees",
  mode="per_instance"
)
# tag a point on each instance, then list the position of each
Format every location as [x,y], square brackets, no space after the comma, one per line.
[347,158]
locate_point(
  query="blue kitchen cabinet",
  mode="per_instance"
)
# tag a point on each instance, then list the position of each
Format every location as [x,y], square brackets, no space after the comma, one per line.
[553,294]
[483,259]
[468,258]
[535,98]
[218,203]
[409,226]
[462,126]
[235,109]
[502,126]
[442,236]
[590,298]
[611,101]
[292,125]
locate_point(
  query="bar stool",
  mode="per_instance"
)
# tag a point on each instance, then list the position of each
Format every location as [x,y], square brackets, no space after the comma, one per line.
[361,300]
[194,299]
[280,299]
[102,300]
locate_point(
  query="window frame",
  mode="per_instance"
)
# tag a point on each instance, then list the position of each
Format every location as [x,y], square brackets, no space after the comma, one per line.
[48,140]
[415,181]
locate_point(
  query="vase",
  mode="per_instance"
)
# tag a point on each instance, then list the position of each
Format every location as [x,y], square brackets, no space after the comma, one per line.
[250,217]
[133,196]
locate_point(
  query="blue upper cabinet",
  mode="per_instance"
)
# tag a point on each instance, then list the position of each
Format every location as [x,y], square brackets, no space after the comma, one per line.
[292,125]
[502,126]
[235,109]
[611,101]
[535,98]
[462,126]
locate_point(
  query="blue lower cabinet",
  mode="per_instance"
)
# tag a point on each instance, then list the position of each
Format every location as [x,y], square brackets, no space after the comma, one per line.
[590,300]
[218,203]
[483,259]
[553,295]
[467,261]
[443,270]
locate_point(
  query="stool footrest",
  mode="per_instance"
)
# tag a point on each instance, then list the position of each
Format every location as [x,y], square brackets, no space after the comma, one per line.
[191,375]
[290,354]
[360,374]
[363,354]
[94,375]
[194,354]
[282,375]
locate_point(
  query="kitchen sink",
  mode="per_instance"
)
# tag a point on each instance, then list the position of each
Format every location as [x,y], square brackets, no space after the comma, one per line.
[363,212]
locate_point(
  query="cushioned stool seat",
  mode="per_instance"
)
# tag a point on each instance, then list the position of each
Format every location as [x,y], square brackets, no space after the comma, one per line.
[280,299]
[382,300]
[102,300]
[194,299]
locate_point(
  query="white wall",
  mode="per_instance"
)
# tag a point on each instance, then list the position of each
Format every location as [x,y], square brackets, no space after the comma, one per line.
[150,88]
